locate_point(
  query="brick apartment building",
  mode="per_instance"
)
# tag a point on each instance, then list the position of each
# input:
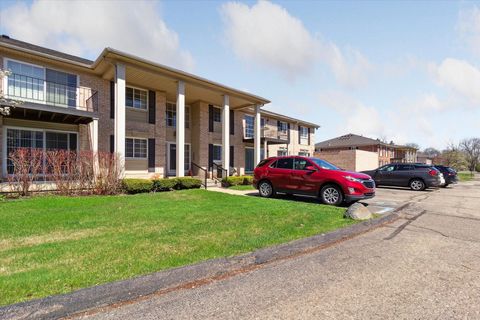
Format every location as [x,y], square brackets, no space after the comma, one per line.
[158,120]
[355,152]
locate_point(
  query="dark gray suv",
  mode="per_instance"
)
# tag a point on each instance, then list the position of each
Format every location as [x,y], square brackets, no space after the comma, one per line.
[416,176]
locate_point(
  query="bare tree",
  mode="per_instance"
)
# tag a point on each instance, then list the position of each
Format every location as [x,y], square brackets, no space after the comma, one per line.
[471,148]
[431,152]
[454,157]
[412,145]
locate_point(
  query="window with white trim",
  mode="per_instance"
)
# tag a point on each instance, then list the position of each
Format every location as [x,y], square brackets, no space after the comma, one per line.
[217,114]
[171,115]
[217,152]
[249,126]
[38,139]
[282,152]
[282,127]
[136,148]
[31,82]
[136,98]
[303,132]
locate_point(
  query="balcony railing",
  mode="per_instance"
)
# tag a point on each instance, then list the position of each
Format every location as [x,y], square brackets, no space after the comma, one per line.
[271,133]
[38,90]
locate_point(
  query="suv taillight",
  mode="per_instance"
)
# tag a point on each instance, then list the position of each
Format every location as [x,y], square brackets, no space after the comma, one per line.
[433,172]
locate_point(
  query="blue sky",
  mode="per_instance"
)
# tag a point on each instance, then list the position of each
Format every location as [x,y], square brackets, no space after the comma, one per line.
[402,71]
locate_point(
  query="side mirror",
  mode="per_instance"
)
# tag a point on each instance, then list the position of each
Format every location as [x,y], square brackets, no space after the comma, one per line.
[310,168]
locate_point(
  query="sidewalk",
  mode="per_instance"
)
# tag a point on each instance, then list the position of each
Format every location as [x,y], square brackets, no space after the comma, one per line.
[235,192]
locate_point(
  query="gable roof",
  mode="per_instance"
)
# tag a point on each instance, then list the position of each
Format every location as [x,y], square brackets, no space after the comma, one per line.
[348,140]
[6,40]
[355,140]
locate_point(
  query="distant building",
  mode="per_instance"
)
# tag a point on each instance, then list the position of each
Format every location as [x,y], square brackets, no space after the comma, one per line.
[424,158]
[355,152]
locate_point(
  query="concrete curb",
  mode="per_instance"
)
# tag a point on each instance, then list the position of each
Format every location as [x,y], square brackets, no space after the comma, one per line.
[125,291]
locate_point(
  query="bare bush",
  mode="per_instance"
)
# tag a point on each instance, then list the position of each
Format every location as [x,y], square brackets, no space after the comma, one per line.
[107,177]
[27,165]
[71,172]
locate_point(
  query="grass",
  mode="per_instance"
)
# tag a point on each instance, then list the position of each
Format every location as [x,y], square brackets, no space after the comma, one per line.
[242,187]
[52,245]
[465,176]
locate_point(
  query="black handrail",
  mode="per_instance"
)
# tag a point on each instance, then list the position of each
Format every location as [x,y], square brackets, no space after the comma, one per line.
[218,171]
[52,93]
[194,165]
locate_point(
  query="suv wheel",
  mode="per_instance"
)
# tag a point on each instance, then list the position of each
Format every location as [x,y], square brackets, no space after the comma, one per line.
[265,189]
[331,194]
[417,185]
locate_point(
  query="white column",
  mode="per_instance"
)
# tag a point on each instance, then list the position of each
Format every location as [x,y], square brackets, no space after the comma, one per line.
[119,130]
[226,134]
[93,129]
[180,125]
[257,135]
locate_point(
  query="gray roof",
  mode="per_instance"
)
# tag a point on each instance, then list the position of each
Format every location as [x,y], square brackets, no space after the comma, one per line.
[352,140]
[28,46]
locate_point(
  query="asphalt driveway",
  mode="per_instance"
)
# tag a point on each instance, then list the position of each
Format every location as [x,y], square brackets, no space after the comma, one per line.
[423,266]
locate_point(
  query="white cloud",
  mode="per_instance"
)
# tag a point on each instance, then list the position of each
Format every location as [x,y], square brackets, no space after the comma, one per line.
[460,77]
[85,28]
[406,121]
[266,34]
[349,67]
[468,27]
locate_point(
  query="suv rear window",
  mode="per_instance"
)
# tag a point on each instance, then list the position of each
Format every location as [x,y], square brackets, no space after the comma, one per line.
[285,163]
[263,162]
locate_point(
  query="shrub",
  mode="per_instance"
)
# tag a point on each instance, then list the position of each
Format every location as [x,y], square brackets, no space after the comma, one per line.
[237,181]
[133,186]
[164,184]
[187,183]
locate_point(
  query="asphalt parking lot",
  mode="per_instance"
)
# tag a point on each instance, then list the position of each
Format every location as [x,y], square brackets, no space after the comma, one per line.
[389,198]
[422,266]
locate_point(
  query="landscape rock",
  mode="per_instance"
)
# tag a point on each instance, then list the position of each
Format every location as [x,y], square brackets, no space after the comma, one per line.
[358,211]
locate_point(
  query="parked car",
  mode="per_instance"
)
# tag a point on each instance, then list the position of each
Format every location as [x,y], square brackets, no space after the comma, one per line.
[312,177]
[414,175]
[449,173]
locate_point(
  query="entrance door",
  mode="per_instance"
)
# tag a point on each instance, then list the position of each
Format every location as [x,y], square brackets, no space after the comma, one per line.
[249,160]
[172,159]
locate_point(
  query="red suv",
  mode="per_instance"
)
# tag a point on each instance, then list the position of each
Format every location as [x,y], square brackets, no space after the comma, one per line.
[313,177]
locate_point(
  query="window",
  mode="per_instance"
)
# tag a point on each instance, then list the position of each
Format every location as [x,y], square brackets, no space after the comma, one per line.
[286,163]
[304,153]
[217,115]
[37,139]
[61,88]
[249,126]
[136,98]
[303,132]
[171,115]
[217,152]
[387,168]
[136,148]
[262,122]
[282,127]
[41,84]
[324,164]
[301,164]
[282,152]
[60,141]
[26,81]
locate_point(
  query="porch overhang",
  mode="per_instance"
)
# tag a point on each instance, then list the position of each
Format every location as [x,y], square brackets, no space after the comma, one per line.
[44,112]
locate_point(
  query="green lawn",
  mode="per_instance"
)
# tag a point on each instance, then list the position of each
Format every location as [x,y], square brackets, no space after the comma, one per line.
[52,245]
[465,176]
[242,187]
